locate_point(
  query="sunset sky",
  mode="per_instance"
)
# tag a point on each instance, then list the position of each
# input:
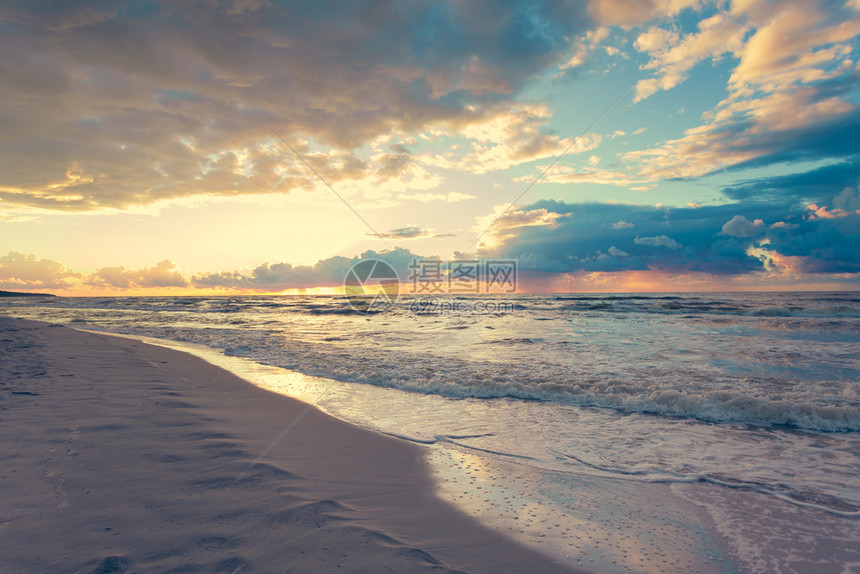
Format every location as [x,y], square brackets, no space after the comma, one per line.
[731,159]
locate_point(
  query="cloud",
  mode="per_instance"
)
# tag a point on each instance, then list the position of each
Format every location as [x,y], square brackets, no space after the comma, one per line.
[716,240]
[632,12]
[506,139]
[656,40]
[740,226]
[754,138]
[450,197]
[583,46]
[412,232]
[848,200]
[674,57]
[815,186]
[503,224]
[572,174]
[788,96]
[796,42]
[28,272]
[109,106]
[505,218]
[811,241]
[778,46]
[658,241]
[329,272]
[164,274]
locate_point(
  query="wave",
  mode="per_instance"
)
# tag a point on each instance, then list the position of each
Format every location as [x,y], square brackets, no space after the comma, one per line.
[723,406]
[821,311]
[514,341]
[713,307]
[618,298]
[657,378]
[807,499]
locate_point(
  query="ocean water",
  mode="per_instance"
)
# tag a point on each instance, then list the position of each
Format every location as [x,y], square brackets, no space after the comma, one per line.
[664,432]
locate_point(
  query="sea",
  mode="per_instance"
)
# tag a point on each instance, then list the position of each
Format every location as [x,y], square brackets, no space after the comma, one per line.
[668,432]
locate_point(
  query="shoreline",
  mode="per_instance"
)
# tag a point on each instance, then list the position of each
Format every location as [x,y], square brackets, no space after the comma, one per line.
[507,498]
[119,456]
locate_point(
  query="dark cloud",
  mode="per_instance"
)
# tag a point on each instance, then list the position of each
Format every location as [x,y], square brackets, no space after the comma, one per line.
[821,222]
[834,138]
[828,245]
[731,239]
[657,241]
[329,272]
[817,186]
[117,103]
[411,232]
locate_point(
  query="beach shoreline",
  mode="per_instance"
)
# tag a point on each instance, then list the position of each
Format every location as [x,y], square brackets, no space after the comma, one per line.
[120,456]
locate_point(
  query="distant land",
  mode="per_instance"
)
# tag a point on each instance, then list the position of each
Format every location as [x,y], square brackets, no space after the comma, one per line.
[18,294]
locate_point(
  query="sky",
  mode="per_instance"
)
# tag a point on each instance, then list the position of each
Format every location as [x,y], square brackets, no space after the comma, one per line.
[230,146]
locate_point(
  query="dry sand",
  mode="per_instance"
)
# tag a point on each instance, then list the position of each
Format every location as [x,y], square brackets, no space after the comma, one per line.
[118,456]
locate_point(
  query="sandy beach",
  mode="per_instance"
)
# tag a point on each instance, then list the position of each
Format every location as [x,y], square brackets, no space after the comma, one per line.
[119,456]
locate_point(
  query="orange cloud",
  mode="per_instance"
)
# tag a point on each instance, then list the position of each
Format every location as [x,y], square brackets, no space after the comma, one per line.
[19,271]
[163,275]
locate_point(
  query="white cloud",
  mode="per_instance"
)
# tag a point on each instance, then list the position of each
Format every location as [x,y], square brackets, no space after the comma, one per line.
[583,46]
[673,58]
[656,40]
[501,225]
[794,43]
[740,226]
[508,138]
